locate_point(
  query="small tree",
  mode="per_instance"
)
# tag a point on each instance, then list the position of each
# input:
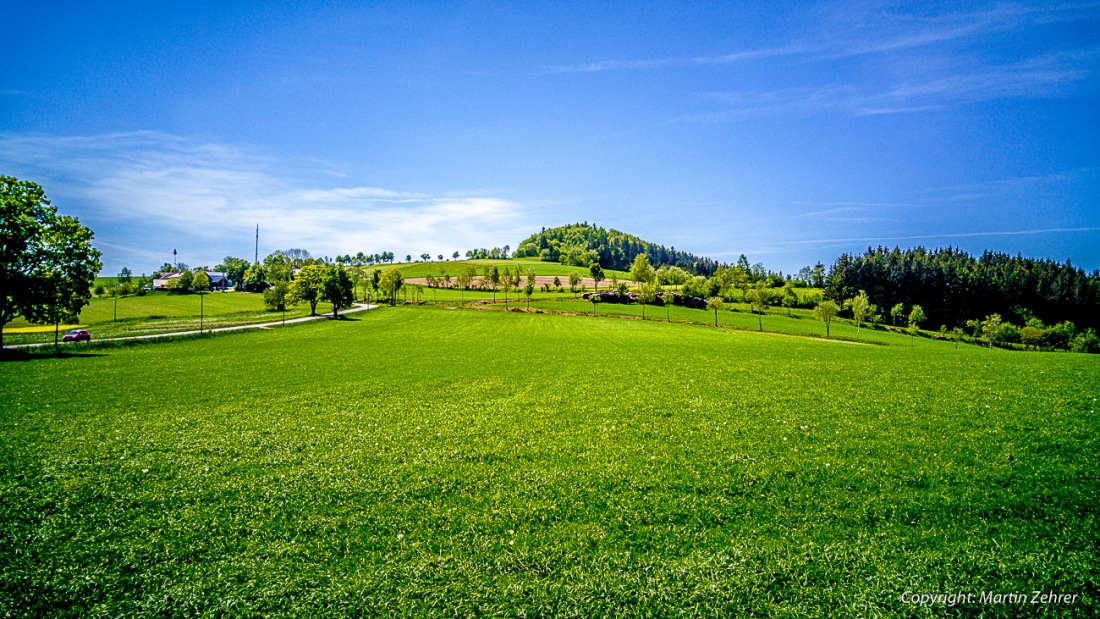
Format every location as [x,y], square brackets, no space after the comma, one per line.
[641,271]
[826,311]
[574,282]
[595,299]
[557,283]
[529,290]
[956,335]
[1032,333]
[185,281]
[646,296]
[790,298]
[493,275]
[916,317]
[861,307]
[308,287]
[275,297]
[759,298]
[992,329]
[716,303]
[668,298]
[338,289]
[506,281]
[1086,342]
[390,283]
[201,281]
[896,312]
[596,271]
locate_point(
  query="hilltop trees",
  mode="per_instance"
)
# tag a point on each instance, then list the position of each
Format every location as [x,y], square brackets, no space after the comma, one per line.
[583,244]
[47,262]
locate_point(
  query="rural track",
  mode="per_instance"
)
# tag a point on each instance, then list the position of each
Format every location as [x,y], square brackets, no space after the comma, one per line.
[359,307]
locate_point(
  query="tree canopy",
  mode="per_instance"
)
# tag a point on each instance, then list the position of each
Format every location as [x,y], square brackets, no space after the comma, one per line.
[953,286]
[47,262]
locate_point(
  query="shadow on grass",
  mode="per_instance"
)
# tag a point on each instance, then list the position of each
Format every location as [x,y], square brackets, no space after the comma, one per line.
[44,352]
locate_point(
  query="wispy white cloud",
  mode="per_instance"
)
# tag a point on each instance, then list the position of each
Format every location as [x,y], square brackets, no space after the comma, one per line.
[209,198]
[659,63]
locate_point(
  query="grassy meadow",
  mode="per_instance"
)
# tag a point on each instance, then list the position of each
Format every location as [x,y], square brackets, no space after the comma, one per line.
[160,312]
[424,461]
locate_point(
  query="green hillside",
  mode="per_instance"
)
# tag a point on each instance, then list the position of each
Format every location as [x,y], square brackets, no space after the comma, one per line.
[426,462]
[583,244]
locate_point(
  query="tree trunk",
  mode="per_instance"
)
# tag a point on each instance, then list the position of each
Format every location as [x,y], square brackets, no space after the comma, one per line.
[760,322]
[857,331]
[56,328]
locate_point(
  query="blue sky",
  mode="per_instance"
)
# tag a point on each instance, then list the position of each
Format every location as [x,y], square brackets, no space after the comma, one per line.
[788,132]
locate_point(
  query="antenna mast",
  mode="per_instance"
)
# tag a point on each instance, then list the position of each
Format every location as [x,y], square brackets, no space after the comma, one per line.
[257,260]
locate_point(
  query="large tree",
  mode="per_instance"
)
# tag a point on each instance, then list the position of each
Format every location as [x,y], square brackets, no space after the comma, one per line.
[47,262]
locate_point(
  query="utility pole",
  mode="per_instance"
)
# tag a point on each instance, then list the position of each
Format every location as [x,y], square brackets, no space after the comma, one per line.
[257,260]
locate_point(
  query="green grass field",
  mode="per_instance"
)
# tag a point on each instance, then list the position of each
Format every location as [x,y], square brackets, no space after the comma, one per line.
[159,312]
[422,461]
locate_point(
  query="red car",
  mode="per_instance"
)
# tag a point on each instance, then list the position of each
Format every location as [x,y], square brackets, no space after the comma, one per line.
[77,335]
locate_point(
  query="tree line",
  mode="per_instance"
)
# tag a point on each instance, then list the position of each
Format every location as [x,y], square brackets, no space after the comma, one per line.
[954,287]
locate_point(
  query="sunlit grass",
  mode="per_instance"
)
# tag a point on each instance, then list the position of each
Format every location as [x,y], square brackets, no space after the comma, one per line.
[421,461]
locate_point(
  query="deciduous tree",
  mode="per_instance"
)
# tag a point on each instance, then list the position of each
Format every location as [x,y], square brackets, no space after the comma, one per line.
[596,271]
[826,311]
[860,306]
[390,283]
[47,262]
[716,303]
[308,286]
[338,289]
[916,317]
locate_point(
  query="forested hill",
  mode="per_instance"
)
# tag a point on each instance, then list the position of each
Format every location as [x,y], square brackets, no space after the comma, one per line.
[953,286]
[583,244]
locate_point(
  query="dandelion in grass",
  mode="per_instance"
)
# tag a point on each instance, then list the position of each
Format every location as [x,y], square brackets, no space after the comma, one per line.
[400,536]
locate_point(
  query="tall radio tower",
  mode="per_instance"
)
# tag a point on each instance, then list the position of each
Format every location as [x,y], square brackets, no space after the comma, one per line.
[257,260]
